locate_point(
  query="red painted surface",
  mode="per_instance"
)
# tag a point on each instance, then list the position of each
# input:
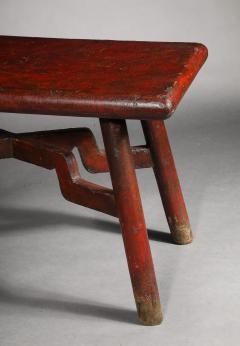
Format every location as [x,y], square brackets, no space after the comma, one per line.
[53,150]
[104,79]
[168,182]
[52,155]
[132,221]
[113,79]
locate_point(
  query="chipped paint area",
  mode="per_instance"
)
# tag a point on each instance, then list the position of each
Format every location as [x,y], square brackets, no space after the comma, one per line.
[181,231]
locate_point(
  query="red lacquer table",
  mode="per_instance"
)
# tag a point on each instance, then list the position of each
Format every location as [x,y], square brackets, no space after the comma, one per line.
[113,81]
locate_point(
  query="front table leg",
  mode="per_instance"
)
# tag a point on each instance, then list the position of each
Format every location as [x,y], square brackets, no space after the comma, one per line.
[167,180]
[132,221]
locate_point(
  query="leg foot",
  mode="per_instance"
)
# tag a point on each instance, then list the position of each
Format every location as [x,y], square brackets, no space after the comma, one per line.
[132,221]
[167,180]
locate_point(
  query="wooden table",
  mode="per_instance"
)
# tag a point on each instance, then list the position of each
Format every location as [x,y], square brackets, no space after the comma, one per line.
[113,81]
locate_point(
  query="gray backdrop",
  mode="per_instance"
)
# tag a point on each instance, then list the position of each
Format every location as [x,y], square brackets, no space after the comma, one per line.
[60,283]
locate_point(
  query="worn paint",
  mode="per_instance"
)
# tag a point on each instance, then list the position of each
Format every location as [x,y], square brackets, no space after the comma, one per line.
[114,79]
[105,79]
[168,182]
[132,221]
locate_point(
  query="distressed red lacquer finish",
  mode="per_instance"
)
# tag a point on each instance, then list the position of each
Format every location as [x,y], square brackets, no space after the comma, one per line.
[53,150]
[113,81]
[132,221]
[168,182]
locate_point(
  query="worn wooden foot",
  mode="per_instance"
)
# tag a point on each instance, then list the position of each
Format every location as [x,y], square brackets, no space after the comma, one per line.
[132,221]
[168,182]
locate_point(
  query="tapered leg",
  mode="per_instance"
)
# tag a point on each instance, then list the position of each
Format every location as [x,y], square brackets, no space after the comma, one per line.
[132,221]
[167,179]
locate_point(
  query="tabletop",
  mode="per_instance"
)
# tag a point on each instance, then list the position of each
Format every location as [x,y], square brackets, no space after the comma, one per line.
[96,78]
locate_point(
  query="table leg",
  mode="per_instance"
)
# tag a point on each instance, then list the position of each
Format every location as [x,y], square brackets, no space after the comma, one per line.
[132,221]
[167,180]
[6,150]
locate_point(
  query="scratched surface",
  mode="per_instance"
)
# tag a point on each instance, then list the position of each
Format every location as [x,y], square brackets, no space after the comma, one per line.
[139,80]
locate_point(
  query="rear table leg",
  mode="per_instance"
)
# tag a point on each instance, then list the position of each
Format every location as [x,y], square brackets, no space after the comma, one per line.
[132,221]
[6,150]
[167,179]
